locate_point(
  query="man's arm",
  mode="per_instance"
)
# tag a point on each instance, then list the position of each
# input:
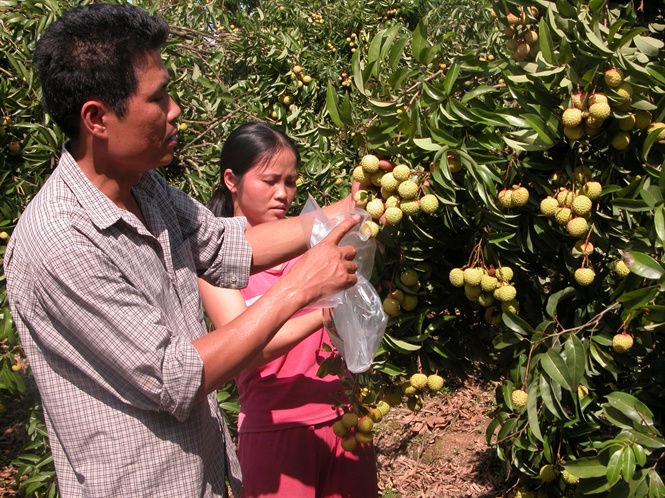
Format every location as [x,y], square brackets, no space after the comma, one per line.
[322,271]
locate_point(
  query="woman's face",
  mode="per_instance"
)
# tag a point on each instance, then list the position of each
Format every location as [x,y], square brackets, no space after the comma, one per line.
[266,191]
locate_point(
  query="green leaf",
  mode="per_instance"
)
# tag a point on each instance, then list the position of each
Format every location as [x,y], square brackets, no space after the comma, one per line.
[451,78]
[419,42]
[546,43]
[555,366]
[644,265]
[575,359]
[586,467]
[332,107]
[532,411]
[632,407]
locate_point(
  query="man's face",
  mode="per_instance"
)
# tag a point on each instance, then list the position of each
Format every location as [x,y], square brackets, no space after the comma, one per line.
[145,138]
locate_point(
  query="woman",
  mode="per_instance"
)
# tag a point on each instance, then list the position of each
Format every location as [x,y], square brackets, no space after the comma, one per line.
[286,444]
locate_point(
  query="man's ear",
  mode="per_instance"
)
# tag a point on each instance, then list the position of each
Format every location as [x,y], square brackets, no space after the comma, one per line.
[93,118]
[230,180]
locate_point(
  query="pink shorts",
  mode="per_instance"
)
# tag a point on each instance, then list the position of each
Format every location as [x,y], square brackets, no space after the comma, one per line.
[305,462]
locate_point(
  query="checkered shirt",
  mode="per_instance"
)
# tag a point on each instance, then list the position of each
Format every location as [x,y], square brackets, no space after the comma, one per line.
[107,309]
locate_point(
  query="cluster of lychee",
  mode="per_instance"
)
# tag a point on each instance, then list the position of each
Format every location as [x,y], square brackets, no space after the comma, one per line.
[298,75]
[390,191]
[517,196]
[521,34]
[357,426]
[417,386]
[588,113]
[399,300]
[486,286]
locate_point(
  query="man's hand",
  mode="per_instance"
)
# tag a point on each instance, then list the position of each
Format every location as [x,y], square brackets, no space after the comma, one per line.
[326,268]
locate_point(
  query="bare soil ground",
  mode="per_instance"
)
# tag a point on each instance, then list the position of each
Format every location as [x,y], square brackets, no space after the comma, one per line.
[441,451]
[438,452]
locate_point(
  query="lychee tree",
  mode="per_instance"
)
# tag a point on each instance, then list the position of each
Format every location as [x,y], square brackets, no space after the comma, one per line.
[544,146]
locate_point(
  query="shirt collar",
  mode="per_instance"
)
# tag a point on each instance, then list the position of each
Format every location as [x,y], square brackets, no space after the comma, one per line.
[102,211]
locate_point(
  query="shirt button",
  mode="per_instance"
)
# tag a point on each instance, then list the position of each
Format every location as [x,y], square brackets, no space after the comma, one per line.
[234,279]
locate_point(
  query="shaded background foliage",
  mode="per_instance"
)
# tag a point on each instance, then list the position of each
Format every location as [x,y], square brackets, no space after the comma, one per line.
[424,83]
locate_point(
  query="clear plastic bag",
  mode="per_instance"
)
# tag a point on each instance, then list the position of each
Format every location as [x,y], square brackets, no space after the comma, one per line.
[354,318]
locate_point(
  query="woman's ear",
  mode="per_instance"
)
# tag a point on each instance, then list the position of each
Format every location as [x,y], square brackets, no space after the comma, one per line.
[230,180]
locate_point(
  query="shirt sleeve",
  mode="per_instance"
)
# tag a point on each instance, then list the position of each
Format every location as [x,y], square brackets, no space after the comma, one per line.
[105,333]
[222,255]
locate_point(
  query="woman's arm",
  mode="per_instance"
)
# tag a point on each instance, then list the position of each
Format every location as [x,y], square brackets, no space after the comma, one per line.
[223,305]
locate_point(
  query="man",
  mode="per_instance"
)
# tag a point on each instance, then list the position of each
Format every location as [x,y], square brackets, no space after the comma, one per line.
[102,275]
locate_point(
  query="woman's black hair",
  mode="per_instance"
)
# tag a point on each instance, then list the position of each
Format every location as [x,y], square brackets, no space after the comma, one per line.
[249,145]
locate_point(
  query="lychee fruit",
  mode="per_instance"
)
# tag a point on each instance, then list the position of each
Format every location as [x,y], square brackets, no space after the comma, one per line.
[519,397]
[418,380]
[584,276]
[622,342]
[369,163]
[429,203]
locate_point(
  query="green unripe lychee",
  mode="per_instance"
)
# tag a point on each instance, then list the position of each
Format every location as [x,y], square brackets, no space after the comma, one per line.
[456,277]
[369,163]
[349,420]
[622,342]
[375,208]
[621,140]
[472,276]
[505,292]
[429,203]
[408,190]
[573,132]
[513,306]
[504,273]
[600,110]
[434,382]
[506,198]
[418,380]
[361,176]
[389,182]
[577,227]
[519,397]
[393,215]
[488,283]
[339,429]
[401,172]
[571,117]
[613,77]
[584,276]
[621,269]
[548,206]
[411,207]
[410,302]
[520,196]
[593,190]
[563,215]
[349,443]
[547,473]
[391,306]
[409,277]
[565,197]
[582,205]
[569,478]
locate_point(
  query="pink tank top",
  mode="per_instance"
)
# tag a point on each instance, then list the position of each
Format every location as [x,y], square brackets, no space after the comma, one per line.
[286,392]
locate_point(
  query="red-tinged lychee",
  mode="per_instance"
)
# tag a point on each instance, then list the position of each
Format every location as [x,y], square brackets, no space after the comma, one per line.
[519,397]
[572,117]
[369,163]
[584,276]
[622,342]
[584,248]
[548,206]
[613,77]
[597,98]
